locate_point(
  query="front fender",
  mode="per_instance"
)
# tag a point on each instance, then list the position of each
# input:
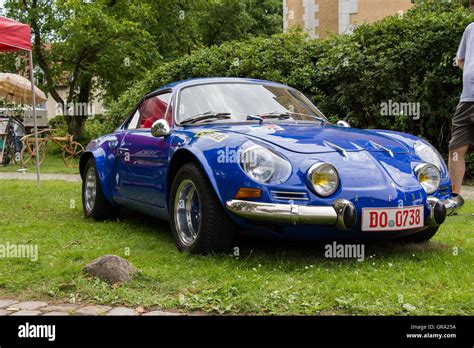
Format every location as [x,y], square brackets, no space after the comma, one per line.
[224,173]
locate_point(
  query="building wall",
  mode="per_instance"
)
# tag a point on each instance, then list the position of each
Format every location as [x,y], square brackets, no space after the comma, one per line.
[373,10]
[328,17]
[293,13]
[320,18]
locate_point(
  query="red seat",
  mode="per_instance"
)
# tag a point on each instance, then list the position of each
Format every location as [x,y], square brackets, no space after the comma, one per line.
[151,110]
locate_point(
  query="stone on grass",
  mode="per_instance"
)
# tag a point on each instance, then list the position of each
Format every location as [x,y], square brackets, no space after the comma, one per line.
[110,268]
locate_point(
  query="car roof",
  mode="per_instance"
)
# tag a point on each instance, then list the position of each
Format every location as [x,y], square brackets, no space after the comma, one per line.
[200,81]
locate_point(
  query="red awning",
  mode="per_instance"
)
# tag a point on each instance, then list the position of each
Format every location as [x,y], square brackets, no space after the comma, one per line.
[14,36]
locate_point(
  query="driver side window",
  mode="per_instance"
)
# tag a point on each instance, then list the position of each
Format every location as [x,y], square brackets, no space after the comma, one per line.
[151,110]
[133,123]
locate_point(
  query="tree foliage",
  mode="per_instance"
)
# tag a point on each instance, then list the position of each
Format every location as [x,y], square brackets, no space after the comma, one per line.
[96,48]
[401,58]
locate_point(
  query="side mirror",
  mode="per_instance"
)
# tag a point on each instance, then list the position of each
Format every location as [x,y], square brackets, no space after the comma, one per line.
[342,123]
[160,128]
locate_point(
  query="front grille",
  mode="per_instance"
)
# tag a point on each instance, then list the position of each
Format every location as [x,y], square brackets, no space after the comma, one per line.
[289,196]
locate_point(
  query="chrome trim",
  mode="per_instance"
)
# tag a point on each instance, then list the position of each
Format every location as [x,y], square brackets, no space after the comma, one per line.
[380,147]
[452,204]
[291,213]
[160,128]
[341,205]
[435,206]
[290,196]
[342,123]
[339,149]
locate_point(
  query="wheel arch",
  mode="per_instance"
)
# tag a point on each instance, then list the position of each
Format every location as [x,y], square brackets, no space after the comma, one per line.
[83,161]
[99,157]
[186,155]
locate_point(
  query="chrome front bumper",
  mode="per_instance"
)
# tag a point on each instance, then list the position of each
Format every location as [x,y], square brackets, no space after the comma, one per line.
[452,204]
[440,209]
[342,214]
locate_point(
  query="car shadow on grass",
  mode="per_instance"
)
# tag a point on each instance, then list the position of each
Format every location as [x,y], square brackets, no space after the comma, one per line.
[317,249]
[248,245]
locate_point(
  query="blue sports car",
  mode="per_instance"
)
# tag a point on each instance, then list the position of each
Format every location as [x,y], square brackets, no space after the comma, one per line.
[218,155]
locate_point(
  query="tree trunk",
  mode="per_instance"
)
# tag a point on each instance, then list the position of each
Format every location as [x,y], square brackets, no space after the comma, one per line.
[77,118]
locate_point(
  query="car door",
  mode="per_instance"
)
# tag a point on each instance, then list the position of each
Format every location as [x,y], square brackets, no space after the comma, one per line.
[143,157]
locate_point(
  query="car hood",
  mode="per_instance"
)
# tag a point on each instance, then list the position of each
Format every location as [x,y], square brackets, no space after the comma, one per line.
[319,139]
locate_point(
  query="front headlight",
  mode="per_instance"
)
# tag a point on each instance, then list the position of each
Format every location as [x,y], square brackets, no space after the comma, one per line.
[264,165]
[324,179]
[428,154]
[429,177]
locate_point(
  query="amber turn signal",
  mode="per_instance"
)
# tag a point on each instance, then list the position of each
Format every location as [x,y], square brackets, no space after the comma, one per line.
[245,192]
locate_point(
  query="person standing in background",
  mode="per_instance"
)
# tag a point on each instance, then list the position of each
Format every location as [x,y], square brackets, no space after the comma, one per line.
[463,121]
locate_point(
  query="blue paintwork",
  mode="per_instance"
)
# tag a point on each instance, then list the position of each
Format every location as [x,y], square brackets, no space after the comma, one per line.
[369,176]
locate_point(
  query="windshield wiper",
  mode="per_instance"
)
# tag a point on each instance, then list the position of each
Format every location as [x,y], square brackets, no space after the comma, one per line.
[280,115]
[209,115]
[322,120]
[269,115]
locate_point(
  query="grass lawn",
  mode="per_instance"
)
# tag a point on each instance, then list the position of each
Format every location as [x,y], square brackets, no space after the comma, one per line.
[267,278]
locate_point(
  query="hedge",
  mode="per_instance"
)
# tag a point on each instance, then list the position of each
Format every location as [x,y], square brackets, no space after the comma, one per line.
[403,58]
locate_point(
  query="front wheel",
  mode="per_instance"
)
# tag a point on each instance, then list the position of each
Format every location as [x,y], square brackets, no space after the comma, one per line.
[94,203]
[419,237]
[199,223]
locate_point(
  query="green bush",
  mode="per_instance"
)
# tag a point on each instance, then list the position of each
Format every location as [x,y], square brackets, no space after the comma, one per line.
[401,58]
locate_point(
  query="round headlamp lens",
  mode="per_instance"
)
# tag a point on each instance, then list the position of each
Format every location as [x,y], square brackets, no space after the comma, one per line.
[324,179]
[429,177]
[259,163]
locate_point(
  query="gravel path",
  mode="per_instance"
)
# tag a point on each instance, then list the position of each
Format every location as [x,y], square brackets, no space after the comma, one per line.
[36,308]
[32,176]
[468,192]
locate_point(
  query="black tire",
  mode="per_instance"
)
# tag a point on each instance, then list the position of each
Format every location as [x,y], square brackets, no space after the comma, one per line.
[420,237]
[100,209]
[216,231]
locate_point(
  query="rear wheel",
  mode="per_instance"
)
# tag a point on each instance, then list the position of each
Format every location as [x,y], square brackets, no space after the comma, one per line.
[199,223]
[420,237]
[94,203]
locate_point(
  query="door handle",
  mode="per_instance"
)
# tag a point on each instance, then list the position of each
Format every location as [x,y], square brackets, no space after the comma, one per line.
[122,151]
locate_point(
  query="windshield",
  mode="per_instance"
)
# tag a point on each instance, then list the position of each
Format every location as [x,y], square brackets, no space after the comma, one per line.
[241,100]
